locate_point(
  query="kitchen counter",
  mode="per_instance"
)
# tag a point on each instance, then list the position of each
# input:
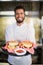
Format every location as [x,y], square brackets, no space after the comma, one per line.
[4,64]
[8,64]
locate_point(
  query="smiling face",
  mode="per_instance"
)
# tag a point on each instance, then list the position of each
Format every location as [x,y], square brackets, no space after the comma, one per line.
[19,15]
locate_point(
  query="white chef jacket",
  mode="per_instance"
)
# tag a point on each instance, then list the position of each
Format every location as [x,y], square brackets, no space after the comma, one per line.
[20,33]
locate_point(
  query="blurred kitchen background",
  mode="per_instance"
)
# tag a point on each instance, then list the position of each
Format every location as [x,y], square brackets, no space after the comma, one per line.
[34,11]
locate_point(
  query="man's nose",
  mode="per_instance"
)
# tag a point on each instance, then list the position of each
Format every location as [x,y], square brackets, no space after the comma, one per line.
[19,15]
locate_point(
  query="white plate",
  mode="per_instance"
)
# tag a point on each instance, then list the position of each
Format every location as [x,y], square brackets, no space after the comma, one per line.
[20,51]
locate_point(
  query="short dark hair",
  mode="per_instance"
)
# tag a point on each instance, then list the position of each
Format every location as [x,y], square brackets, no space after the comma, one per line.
[19,7]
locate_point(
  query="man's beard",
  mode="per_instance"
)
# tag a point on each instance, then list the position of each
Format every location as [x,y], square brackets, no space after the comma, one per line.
[20,21]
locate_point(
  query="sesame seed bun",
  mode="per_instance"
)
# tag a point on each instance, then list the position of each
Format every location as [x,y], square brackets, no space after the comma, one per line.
[12,44]
[27,44]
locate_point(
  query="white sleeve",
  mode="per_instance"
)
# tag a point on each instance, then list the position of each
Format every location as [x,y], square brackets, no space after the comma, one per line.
[9,34]
[31,33]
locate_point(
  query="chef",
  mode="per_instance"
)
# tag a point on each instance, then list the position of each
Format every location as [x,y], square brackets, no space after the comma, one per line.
[20,31]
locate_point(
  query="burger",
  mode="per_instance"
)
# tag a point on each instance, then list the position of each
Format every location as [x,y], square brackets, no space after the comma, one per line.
[27,44]
[12,44]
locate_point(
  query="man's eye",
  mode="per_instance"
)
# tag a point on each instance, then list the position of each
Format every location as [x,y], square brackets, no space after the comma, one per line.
[19,13]
[22,13]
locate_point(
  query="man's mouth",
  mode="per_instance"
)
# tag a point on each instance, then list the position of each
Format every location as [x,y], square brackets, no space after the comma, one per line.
[19,18]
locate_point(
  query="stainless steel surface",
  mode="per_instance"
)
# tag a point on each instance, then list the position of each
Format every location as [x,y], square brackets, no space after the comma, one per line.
[8,64]
[20,0]
[28,13]
[4,64]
